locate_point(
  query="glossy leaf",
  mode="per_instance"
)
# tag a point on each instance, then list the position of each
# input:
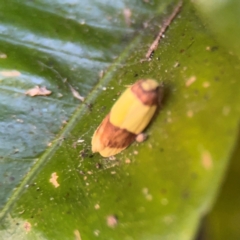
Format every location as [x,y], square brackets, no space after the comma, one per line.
[222,221]
[159,189]
[222,18]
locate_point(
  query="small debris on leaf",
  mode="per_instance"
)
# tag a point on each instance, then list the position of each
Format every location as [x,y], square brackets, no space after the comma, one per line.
[38,91]
[76,94]
[96,232]
[177,64]
[53,180]
[207,160]
[27,226]
[112,158]
[141,137]
[13,73]
[77,235]
[3,55]
[206,84]
[127,161]
[127,13]
[164,27]
[97,206]
[112,221]
[190,81]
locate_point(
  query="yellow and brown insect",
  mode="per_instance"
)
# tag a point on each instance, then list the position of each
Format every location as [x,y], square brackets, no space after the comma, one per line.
[128,117]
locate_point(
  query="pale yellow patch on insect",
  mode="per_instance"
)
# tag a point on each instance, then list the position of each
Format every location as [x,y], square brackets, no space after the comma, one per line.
[129,113]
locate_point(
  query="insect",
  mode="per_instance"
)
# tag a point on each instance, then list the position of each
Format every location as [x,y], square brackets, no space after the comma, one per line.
[128,117]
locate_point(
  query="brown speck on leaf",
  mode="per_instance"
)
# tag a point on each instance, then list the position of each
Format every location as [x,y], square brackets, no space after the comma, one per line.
[177,64]
[27,226]
[53,180]
[207,160]
[98,165]
[190,81]
[38,91]
[97,206]
[190,113]
[127,161]
[206,84]
[127,13]
[112,221]
[13,73]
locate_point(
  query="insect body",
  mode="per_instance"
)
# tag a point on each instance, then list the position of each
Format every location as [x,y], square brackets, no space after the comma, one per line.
[128,117]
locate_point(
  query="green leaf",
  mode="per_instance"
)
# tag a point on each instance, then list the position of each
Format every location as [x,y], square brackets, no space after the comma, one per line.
[222,221]
[159,189]
[223,18]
